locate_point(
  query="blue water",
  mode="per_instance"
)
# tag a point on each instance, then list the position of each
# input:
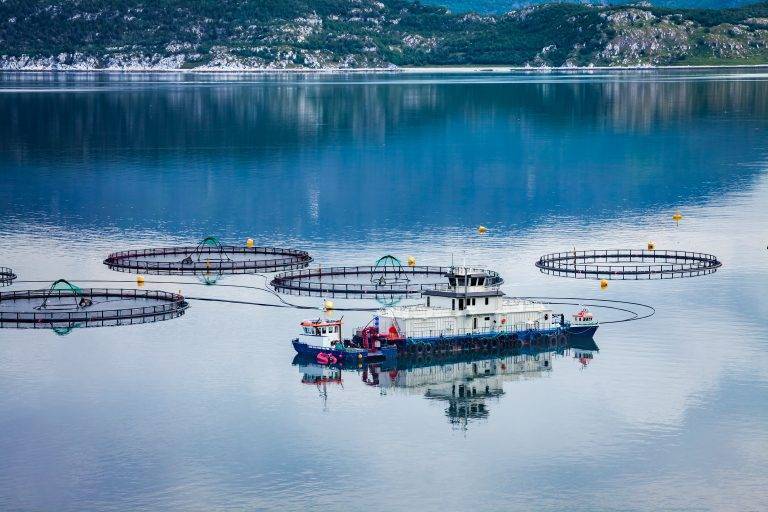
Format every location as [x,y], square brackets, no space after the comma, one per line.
[206,412]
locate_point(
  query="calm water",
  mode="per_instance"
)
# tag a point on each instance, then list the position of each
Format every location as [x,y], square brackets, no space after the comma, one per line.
[207,412]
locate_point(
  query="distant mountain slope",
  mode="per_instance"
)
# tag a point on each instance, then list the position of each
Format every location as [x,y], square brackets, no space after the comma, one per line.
[237,34]
[502,6]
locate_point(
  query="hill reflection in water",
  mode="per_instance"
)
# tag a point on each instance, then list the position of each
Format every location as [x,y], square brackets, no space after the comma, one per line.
[300,155]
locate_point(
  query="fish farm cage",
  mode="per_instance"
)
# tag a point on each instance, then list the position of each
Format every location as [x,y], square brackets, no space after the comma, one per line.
[65,306]
[208,257]
[6,276]
[374,282]
[624,264]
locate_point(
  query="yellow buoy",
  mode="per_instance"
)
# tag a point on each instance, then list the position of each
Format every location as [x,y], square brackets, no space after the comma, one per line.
[651,246]
[327,305]
[603,284]
[411,261]
[482,229]
[249,242]
[140,280]
[677,217]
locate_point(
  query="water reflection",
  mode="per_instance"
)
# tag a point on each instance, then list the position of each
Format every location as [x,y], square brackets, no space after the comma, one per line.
[467,384]
[208,403]
[301,153]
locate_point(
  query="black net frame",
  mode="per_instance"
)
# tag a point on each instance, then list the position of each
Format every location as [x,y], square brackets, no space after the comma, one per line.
[310,281]
[392,272]
[7,276]
[628,264]
[130,261]
[172,306]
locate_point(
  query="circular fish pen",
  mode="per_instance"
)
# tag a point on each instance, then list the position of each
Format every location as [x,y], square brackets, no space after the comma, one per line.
[6,276]
[626,264]
[373,282]
[64,306]
[209,257]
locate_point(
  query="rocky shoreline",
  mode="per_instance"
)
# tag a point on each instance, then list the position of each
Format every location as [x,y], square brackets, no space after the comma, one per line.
[385,70]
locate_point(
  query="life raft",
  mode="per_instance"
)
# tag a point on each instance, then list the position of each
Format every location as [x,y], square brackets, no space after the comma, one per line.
[328,358]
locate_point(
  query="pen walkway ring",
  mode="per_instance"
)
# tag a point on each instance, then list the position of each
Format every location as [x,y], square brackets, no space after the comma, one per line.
[625,264]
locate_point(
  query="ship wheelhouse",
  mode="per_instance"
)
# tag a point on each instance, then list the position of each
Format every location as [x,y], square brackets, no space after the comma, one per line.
[584,318]
[320,333]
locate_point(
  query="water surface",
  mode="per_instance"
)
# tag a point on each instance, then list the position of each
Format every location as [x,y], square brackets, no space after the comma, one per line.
[206,412]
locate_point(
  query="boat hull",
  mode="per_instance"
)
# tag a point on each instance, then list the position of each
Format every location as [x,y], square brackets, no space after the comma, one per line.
[495,340]
[306,350]
[582,332]
[348,356]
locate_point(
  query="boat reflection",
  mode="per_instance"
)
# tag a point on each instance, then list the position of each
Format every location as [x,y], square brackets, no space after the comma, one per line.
[320,376]
[466,383]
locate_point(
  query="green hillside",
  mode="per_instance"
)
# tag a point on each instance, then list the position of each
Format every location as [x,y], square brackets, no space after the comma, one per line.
[233,34]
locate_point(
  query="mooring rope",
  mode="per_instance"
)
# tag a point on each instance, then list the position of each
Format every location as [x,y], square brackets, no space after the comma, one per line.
[637,316]
[582,301]
[285,303]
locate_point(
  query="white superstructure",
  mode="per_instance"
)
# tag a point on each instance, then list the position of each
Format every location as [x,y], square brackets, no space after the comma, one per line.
[320,333]
[469,304]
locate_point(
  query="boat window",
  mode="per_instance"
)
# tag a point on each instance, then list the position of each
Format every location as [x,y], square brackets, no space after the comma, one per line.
[461,304]
[473,281]
[481,281]
[453,303]
[452,281]
[427,301]
[486,301]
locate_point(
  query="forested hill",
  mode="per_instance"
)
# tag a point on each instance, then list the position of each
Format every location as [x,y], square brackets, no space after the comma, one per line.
[237,34]
[502,6]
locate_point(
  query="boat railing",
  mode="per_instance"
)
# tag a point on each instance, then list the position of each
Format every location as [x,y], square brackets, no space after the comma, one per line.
[481,332]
